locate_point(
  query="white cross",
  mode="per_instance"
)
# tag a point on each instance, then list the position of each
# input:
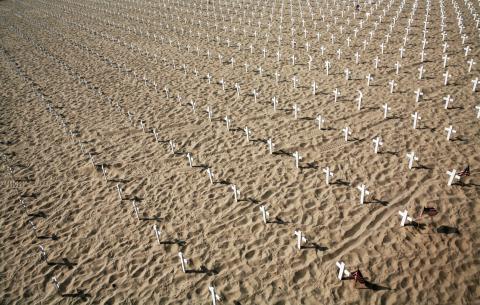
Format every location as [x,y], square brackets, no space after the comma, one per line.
[314,87]
[55,282]
[451,176]
[392,85]
[401,52]
[339,53]
[236,192]
[376,143]
[328,174]
[385,110]
[296,109]
[210,175]
[265,214]
[357,57]
[209,113]
[447,100]
[277,75]
[382,46]
[222,82]
[270,145]
[237,87]
[247,133]
[294,80]
[119,191]
[321,120]
[209,77]
[293,60]
[347,74]
[445,46]
[474,82]
[416,118]
[467,49]
[470,64]
[297,157]
[418,94]
[275,103]
[104,172]
[193,104]
[369,78]
[346,131]
[310,60]
[446,76]
[411,158]
[227,121]
[342,270]
[300,238]
[363,192]
[190,159]
[336,94]
[183,261]
[327,66]
[449,131]
[478,111]
[420,72]
[405,217]
[445,60]
[359,99]
[157,233]
[422,55]
[135,209]
[172,146]
[215,296]
[255,94]
[376,61]
[397,66]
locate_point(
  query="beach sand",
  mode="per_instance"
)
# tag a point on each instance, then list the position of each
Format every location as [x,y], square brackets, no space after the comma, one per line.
[78,80]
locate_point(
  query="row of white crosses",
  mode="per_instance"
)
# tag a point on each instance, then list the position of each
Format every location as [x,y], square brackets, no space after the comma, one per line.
[157,231]
[359,100]
[449,131]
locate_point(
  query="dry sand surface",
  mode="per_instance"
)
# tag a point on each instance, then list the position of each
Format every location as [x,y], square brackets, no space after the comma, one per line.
[95,94]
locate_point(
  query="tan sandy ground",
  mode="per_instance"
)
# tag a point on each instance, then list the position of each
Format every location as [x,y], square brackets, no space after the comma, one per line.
[93,63]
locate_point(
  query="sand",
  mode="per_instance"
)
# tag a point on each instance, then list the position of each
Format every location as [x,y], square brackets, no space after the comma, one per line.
[78,83]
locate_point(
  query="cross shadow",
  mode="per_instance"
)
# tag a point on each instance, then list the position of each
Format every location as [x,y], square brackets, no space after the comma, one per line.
[224,182]
[416,225]
[32,195]
[40,214]
[459,139]
[157,218]
[204,270]
[374,200]
[447,230]
[393,153]
[64,262]
[134,197]
[310,165]
[52,237]
[393,117]
[79,294]
[278,221]
[420,166]
[314,246]
[328,128]
[427,128]
[119,180]
[175,241]
[201,166]
[281,152]
[375,287]
[340,182]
